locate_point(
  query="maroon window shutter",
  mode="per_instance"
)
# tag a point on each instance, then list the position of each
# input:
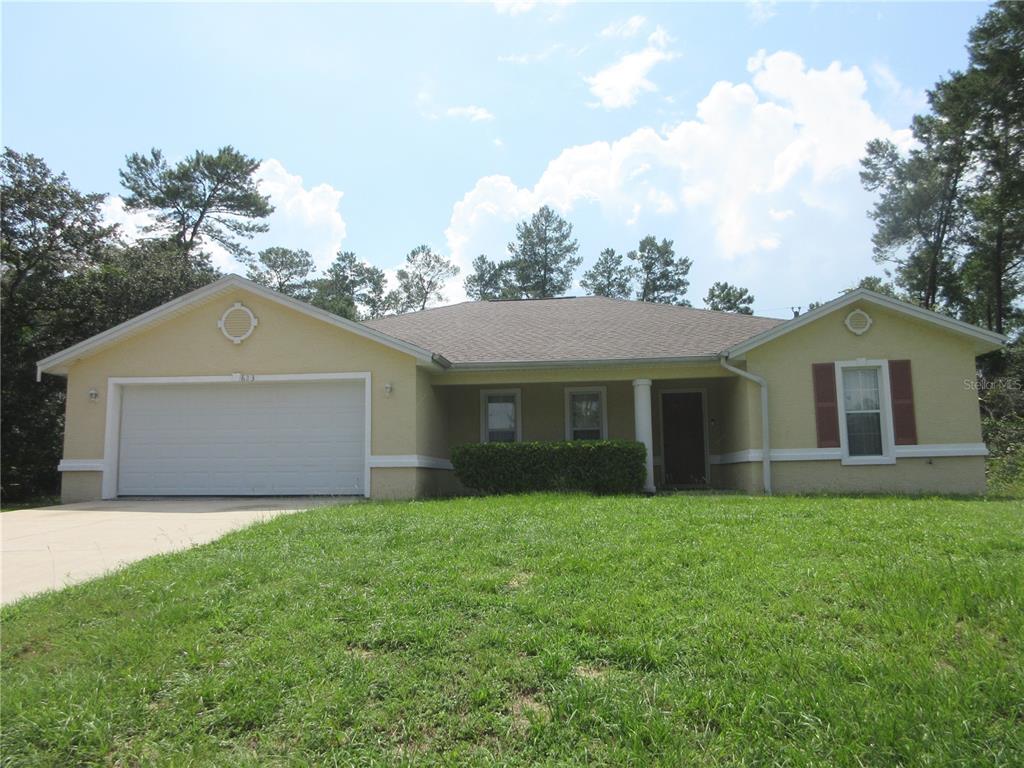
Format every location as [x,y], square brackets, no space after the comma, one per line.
[901,387]
[826,407]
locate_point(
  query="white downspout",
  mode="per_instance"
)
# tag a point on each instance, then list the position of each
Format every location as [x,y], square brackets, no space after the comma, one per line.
[766,443]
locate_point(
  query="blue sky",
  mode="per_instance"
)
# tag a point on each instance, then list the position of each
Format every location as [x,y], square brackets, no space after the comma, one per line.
[733,129]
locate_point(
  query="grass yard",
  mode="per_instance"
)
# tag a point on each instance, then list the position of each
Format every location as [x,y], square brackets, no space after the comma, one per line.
[686,630]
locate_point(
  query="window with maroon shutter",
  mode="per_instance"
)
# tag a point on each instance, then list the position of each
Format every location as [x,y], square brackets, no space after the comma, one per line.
[901,387]
[826,406]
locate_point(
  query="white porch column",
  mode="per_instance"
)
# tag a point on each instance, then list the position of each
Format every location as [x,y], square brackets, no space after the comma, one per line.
[643,425]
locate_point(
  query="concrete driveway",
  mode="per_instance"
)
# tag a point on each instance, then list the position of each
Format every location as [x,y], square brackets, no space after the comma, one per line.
[51,547]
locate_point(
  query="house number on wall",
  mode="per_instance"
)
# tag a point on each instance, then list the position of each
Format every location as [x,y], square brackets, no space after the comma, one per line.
[245,378]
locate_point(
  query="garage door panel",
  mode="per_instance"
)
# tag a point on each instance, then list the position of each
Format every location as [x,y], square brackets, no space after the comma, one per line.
[243,439]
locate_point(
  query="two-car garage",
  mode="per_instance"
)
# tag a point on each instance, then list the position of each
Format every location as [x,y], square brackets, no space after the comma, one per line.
[237,390]
[237,436]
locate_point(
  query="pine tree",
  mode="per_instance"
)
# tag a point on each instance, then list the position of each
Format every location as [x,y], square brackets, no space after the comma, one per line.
[662,276]
[724,297]
[281,269]
[488,281]
[204,198]
[543,258]
[421,279]
[610,276]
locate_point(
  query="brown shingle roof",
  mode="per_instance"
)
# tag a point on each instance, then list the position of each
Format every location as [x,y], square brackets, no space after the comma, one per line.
[570,329]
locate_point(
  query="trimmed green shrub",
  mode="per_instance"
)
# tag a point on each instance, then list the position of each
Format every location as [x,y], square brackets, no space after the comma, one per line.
[1005,465]
[594,466]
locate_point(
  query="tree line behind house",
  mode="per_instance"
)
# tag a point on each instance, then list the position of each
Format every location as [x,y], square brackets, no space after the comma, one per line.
[949,228]
[542,263]
[68,274]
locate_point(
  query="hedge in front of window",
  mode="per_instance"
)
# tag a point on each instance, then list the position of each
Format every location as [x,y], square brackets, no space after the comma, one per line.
[593,466]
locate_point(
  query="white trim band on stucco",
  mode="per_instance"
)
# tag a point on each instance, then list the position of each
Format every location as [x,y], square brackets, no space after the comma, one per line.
[376,462]
[414,460]
[934,451]
[939,450]
[80,465]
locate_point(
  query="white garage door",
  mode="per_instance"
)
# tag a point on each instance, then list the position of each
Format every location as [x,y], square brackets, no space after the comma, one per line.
[293,438]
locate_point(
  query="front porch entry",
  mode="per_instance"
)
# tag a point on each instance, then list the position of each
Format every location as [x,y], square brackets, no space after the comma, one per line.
[684,439]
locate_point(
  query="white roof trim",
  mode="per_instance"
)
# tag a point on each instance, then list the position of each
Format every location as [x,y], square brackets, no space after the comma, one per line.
[990,339]
[54,363]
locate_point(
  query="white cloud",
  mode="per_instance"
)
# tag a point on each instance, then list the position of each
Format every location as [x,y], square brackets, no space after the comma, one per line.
[906,97]
[306,218]
[517,7]
[498,142]
[620,84]
[659,38]
[471,112]
[132,224]
[514,7]
[761,10]
[427,106]
[628,28]
[757,156]
[425,102]
[303,217]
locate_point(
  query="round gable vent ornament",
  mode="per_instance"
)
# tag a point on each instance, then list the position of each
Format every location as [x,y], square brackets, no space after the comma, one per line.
[238,322]
[858,322]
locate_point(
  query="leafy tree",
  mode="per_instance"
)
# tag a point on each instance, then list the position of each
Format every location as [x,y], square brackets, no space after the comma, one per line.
[47,231]
[352,288]
[993,90]
[724,297]
[375,298]
[123,281]
[488,281]
[65,277]
[610,276]
[543,257]
[919,211]
[336,290]
[880,285]
[421,279]
[205,197]
[662,276]
[281,269]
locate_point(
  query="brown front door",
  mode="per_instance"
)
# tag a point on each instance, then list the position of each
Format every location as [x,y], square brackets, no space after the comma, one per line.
[682,424]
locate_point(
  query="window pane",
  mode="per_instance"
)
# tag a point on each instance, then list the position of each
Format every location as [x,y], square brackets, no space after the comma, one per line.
[864,434]
[501,436]
[501,413]
[586,411]
[586,434]
[860,389]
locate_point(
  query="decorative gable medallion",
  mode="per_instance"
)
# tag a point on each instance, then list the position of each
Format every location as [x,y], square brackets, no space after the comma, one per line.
[858,322]
[238,322]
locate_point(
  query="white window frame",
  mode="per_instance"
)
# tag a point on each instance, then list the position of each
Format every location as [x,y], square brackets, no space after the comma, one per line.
[601,392]
[888,455]
[484,394]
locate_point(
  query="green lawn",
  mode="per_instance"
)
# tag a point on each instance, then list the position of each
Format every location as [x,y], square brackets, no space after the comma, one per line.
[687,630]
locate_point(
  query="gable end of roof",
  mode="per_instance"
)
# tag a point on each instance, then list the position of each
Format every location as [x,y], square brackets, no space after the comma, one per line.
[986,341]
[57,362]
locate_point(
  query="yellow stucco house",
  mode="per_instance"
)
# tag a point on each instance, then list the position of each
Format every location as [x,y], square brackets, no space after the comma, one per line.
[234,389]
